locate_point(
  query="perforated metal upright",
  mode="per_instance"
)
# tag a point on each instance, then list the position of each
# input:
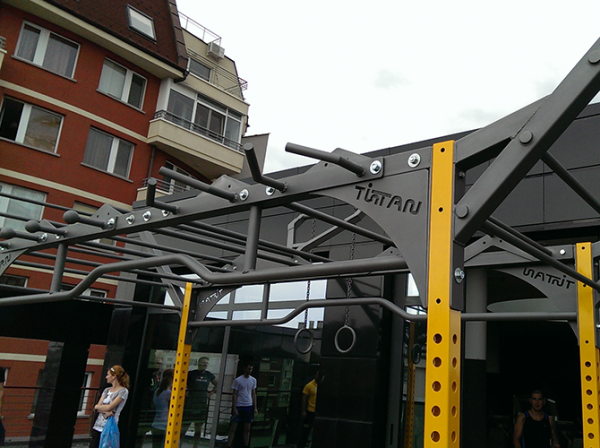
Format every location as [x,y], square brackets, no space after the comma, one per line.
[588,352]
[182,364]
[442,381]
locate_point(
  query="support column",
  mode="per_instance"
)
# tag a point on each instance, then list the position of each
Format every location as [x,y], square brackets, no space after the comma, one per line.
[588,352]
[442,380]
[182,367]
[58,399]
[474,407]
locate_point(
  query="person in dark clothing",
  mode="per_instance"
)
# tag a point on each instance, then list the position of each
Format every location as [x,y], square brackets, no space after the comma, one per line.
[535,428]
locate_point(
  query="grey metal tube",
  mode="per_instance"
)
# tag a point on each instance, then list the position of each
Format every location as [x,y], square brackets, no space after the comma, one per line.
[252,240]
[229,235]
[320,303]
[336,159]
[493,229]
[568,178]
[327,270]
[339,222]
[59,267]
[519,235]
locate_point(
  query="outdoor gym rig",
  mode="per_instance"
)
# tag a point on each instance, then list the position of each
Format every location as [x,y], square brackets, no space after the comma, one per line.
[418,200]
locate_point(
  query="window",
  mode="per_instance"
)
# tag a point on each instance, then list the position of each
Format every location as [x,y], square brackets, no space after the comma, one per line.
[210,118]
[11,208]
[85,395]
[199,69]
[141,22]
[13,280]
[108,153]
[122,84]
[29,125]
[46,49]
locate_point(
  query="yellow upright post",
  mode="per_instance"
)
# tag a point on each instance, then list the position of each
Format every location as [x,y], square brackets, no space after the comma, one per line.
[442,375]
[182,363]
[588,353]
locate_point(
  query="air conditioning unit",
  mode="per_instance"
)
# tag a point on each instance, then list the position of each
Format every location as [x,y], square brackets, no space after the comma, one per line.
[216,50]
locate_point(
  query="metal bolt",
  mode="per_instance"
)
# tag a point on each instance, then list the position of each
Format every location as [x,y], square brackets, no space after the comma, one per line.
[111,222]
[244,194]
[562,251]
[414,160]
[525,137]
[166,213]
[376,167]
[147,215]
[130,219]
[270,191]
[44,237]
[462,211]
[594,57]
[459,275]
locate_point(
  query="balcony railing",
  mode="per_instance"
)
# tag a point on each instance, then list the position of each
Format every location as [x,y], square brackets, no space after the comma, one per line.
[200,130]
[220,77]
[166,187]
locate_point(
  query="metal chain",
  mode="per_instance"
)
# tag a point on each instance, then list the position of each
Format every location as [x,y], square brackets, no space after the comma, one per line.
[349,282]
[314,225]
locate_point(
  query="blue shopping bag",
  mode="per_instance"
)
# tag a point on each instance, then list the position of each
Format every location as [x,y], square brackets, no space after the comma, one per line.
[110,434]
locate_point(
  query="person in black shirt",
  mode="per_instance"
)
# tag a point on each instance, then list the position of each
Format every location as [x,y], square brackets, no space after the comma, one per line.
[535,428]
[196,402]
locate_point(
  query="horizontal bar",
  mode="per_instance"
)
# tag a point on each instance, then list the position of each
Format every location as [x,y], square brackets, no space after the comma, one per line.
[336,159]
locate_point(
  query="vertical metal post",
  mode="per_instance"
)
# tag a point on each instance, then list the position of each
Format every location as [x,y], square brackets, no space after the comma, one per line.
[588,352]
[442,376]
[409,413]
[252,241]
[182,364]
[59,267]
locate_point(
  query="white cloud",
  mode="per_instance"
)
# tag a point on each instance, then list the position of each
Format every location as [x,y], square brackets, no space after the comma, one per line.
[368,75]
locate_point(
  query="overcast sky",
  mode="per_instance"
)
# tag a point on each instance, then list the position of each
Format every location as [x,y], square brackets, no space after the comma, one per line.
[366,75]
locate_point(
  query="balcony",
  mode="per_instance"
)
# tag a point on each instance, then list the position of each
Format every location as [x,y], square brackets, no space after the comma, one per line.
[210,153]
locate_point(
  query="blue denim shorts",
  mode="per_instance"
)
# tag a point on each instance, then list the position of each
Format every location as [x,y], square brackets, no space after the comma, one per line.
[245,414]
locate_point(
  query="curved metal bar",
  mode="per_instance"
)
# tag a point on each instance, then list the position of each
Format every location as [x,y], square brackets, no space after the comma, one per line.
[312,340]
[328,270]
[337,334]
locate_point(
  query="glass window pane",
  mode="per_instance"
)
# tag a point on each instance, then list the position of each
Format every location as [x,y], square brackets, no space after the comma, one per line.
[112,79]
[232,132]
[200,70]
[141,23]
[202,115]
[28,41]
[19,208]
[248,294]
[10,118]
[217,122]
[136,92]
[123,158]
[180,105]
[97,150]
[42,130]
[60,56]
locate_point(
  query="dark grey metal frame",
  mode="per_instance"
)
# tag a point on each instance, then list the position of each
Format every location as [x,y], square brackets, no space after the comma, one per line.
[392,190]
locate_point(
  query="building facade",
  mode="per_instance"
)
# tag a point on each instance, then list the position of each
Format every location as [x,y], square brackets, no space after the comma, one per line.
[95,99]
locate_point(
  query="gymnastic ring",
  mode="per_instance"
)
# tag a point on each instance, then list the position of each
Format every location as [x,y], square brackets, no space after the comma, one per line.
[312,340]
[337,333]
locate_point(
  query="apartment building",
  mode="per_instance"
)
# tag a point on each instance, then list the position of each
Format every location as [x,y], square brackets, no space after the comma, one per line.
[96,97]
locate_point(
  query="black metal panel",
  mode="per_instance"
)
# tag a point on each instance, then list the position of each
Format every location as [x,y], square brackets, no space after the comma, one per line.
[524,205]
[562,204]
